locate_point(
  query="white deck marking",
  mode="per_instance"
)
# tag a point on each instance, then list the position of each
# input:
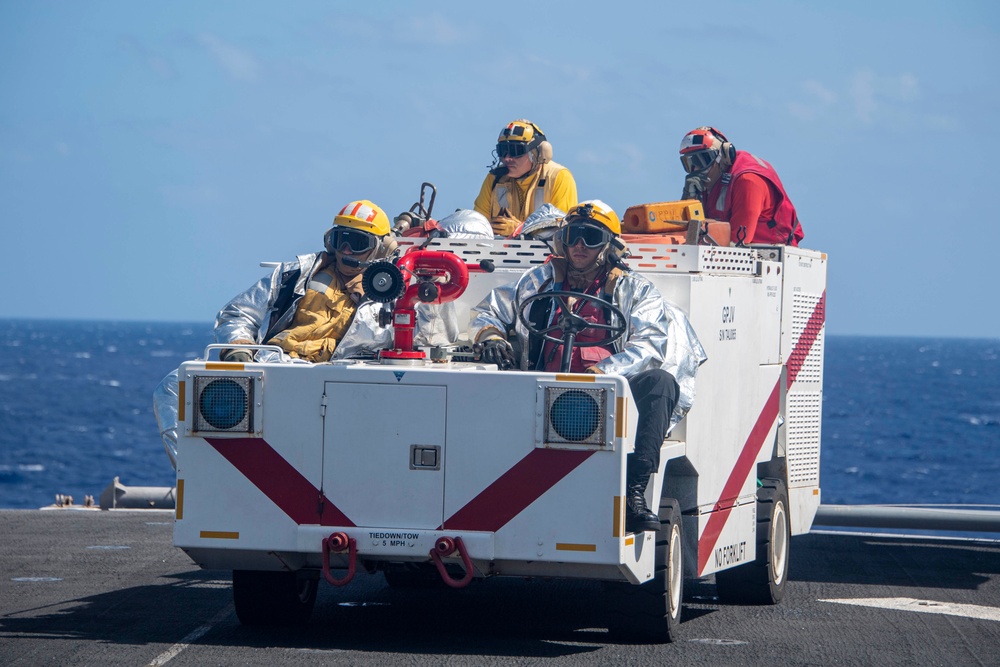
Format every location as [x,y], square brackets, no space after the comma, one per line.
[925,607]
[192,637]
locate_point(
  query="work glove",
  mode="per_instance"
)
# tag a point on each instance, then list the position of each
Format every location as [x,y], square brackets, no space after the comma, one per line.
[693,187]
[238,356]
[498,351]
[504,224]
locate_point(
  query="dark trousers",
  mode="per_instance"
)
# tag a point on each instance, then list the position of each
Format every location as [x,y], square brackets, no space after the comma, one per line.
[655,393]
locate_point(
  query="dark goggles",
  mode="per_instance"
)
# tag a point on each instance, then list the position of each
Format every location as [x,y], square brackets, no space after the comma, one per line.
[592,237]
[354,240]
[512,148]
[699,160]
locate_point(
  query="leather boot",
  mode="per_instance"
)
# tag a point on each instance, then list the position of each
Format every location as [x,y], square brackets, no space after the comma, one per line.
[638,516]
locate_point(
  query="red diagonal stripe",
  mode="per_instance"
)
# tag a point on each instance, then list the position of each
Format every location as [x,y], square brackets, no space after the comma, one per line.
[806,339]
[745,462]
[517,488]
[279,481]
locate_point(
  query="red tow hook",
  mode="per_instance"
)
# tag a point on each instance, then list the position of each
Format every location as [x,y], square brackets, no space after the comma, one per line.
[339,542]
[446,546]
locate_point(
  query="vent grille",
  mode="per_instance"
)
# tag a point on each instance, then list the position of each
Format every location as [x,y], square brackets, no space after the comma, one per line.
[808,362]
[803,438]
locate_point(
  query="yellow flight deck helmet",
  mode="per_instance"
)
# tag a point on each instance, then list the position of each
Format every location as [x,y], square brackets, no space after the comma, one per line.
[365,216]
[361,226]
[522,136]
[595,212]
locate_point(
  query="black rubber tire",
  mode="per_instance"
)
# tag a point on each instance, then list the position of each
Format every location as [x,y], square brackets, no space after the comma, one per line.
[762,582]
[273,598]
[651,612]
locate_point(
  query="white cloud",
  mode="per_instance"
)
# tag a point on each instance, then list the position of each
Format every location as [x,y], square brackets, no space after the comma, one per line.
[158,64]
[862,91]
[236,62]
[817,90]
[434,29]
[877,95]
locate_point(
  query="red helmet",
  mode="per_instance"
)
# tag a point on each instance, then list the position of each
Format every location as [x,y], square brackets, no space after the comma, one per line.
[703,147]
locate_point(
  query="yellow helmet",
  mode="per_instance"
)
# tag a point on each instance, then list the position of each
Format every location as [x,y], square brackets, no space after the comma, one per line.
[364,216]
[522,136]
[595,212]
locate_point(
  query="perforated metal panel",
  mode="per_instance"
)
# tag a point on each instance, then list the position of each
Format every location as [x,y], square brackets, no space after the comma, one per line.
[505,254]
[806,321]
[803,438]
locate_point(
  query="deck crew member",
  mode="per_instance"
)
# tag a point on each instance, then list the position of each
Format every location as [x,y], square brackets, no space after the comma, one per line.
[586,262]
[523,178]
[739,188]
[306,307]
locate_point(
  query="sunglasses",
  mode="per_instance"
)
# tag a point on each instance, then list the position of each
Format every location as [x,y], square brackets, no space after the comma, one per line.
[512,148]
[355,241]
[592,237]
[699,160]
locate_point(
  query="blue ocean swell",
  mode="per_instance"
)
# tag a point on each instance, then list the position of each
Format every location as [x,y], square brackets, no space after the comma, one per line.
[76,407]
[911,420]
[905,420]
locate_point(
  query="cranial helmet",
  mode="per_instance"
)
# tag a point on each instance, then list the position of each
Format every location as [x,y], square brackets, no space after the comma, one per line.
[360,216]
[595,212]
[593,221]
[365,216]
[703,147]
[522,136]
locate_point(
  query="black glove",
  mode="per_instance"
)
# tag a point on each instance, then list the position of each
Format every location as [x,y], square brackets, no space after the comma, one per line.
[498,351]
[238,356]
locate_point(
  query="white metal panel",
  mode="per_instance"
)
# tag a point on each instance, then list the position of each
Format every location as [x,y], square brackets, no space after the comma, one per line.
[736,544]
[367,448]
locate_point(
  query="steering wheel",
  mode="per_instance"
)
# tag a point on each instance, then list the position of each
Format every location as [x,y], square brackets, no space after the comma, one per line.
[572,324]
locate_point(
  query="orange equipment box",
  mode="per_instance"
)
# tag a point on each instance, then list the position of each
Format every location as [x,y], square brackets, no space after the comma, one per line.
[670,216]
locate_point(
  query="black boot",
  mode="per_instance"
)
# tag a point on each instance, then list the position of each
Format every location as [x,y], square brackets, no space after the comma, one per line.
[638,517]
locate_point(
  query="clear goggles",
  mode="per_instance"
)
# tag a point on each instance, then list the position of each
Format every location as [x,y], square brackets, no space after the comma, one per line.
[699,160]
[512,148]
[354,240]
[591,235]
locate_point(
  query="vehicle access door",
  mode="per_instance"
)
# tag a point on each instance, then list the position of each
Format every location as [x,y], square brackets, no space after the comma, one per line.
[393,438]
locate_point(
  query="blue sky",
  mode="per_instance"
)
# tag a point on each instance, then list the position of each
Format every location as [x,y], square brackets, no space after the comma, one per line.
[153,153]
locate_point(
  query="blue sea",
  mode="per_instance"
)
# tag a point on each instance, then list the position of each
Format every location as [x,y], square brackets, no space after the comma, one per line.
[905,420]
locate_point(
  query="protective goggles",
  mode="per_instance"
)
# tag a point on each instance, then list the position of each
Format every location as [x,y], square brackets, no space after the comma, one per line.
[699,160]
[592,236]
[356,241]
[512,148]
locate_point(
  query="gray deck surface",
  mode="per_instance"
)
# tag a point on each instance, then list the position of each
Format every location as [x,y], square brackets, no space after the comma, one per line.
[108,588]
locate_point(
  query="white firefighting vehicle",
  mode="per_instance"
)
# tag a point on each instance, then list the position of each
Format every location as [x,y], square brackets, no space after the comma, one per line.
[420,464]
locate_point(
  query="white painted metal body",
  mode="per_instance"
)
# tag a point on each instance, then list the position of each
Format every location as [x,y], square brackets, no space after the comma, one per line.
[397,456]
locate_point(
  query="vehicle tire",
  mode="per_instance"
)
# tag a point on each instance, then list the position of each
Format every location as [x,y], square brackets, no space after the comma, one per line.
[762,581]
[651,612]
[273,598]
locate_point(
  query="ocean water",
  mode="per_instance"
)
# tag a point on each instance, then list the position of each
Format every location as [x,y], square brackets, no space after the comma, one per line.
[905,420]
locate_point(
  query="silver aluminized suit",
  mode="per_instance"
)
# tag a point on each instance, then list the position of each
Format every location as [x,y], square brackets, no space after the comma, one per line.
[268,307]
[658,335]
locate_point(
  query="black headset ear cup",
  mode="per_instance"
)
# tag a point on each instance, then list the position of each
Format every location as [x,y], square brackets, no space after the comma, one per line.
[328,240]
[728,153]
